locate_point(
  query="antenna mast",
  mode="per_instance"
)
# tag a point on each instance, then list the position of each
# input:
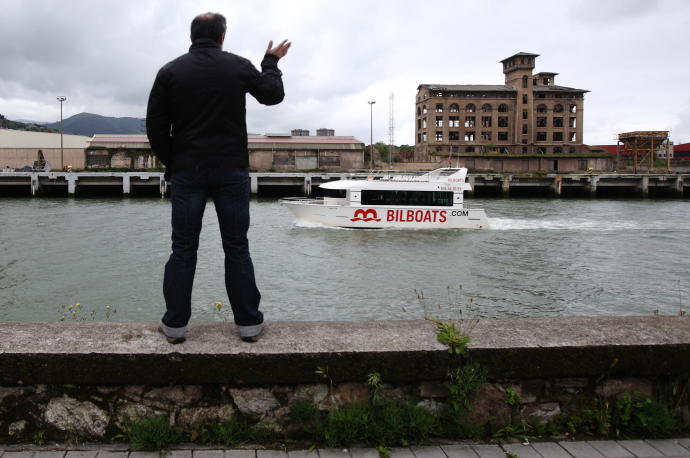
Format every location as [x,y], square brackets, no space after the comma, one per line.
[391,127]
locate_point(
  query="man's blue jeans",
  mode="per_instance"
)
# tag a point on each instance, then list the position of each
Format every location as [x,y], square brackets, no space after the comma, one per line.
[230,191]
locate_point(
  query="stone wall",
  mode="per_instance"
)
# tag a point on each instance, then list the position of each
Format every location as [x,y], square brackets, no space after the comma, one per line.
[88,378]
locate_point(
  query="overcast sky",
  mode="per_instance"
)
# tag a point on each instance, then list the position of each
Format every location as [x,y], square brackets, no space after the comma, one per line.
[633,55]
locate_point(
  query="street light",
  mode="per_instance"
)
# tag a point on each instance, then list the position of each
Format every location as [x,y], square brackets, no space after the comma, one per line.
[61,98]
[371,133]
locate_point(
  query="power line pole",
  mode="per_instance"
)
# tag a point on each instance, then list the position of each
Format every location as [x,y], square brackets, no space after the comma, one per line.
[61,98]
[391,127]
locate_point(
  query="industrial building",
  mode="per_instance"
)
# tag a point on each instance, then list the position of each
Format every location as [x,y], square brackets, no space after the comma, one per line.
[19,148]
[525,123]
[274,152]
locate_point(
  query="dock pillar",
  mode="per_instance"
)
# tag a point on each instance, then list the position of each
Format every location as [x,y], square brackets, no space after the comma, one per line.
[470,180]
[126,187]
[35,185]
[591,188]
[678,187]
[644,186]
[505,186]
[163,186]
[254,184]
[557,185]
[71,183]
[307,185]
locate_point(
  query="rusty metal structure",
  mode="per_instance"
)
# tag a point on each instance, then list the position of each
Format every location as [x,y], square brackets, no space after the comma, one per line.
[641,148]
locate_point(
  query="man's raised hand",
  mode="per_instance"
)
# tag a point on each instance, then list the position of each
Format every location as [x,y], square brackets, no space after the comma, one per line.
[280,50]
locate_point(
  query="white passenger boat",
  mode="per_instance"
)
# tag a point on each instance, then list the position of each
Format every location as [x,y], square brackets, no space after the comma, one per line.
[432,200]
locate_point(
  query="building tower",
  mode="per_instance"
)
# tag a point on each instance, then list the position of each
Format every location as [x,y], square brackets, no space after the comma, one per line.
[518,71]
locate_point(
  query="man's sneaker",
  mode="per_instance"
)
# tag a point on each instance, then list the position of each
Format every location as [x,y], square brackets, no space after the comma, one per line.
[252,338]
[171,340]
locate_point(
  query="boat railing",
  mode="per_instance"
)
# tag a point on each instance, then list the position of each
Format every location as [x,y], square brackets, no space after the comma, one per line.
[302,200]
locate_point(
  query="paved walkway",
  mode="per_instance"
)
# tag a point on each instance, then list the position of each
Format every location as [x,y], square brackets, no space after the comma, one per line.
[619,449]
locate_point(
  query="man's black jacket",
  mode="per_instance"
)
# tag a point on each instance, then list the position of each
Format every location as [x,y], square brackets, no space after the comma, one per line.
[196,110]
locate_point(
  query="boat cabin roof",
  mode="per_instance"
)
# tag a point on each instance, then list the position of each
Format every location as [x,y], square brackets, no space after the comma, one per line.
[444,179]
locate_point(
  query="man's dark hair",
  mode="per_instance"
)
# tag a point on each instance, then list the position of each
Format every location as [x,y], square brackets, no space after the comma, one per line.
[208,25]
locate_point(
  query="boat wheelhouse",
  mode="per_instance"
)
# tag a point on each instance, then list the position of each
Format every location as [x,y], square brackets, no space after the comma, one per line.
[432,200]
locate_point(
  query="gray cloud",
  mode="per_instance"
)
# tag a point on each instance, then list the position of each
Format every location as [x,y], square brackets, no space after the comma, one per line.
[103,55]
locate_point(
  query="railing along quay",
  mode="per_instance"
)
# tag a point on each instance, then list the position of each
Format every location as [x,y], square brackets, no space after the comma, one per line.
[501,184]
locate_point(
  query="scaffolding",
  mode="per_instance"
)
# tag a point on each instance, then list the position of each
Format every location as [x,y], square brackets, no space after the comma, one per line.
[641,147]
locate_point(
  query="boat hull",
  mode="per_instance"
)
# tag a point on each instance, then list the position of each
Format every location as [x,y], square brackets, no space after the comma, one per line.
[383,217]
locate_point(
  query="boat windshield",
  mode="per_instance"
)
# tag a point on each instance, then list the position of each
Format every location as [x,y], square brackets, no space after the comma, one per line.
[413,198]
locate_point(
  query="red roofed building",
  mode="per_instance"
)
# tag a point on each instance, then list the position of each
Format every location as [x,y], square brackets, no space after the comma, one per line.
[279,152]
[682,151]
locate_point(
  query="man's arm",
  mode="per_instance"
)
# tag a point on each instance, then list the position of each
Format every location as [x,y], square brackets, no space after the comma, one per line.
[267,86]
[159,121]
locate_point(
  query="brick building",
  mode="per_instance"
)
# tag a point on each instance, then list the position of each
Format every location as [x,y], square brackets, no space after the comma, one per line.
[529,115]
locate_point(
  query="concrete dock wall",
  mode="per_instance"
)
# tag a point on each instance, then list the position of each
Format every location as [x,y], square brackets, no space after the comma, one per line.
[304,183]
[57,376]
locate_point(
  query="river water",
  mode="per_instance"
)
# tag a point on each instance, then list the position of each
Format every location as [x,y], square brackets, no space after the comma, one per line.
[541,257]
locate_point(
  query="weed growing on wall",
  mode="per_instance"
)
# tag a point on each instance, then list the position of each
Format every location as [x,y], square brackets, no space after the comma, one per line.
[153,433]
[78,312]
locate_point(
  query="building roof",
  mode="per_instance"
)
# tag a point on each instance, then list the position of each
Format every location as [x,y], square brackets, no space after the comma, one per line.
[681,147]
[275,139]
[469,87]
[25,139]
[520,54]
[608,148]
[558,89]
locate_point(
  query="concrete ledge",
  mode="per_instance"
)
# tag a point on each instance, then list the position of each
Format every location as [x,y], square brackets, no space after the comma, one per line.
[402,351]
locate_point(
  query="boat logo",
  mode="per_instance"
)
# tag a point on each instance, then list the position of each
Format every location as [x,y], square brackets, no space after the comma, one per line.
[365,215]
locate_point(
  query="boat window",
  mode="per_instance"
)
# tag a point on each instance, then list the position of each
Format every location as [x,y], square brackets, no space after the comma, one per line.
[335,193]
[416,198]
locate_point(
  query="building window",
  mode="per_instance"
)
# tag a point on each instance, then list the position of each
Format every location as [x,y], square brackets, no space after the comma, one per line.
[470,108]
[541,150]
[439,108]
[547,81]
[573,123]
[469,149]
[424,123]
[503,108]
[330,160]
[558,136]
[424,110]
[525,164]
[439,136]
[453,135]
[486,136]
[486,108]
[439,121]
[541,108]
[419,111]
[524,141]
[573,108]
[558,108]
[469,121]
[572,150]
[503,136]
[503,121]
[525,98]
[424,137]
[454,121]
[524,129]
[541,121]
[486,121]
[454,108]
[573,137]
[284,158]
[541,136]
[554,165]
[524,82]
[419,138]
[558,122]
[557,150]
[582,164]
[469,136]
[525,115]
[419,124]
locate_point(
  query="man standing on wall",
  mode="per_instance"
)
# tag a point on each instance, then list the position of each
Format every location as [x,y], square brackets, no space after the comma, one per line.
[196,126]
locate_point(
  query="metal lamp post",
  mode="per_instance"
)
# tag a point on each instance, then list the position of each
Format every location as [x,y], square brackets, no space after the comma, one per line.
[371,133]
[61,98]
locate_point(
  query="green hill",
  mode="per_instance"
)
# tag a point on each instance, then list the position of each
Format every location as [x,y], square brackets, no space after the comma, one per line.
[16,125]
[89,124]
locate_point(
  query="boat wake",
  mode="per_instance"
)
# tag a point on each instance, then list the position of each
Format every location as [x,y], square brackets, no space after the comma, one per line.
[509,224]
